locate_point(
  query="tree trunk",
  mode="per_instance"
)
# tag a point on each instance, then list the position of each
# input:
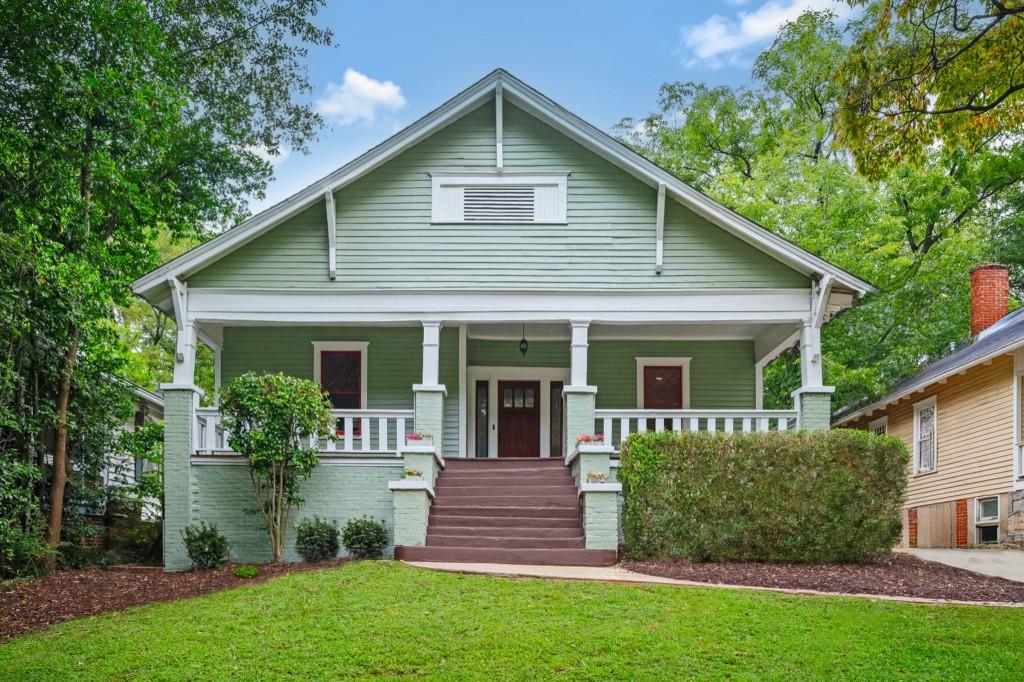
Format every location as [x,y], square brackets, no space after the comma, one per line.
[60,449]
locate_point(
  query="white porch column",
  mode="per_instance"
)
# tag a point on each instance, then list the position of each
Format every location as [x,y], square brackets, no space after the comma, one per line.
[429,395]
[579,396]
[578,348]
[813,400]
[431,352]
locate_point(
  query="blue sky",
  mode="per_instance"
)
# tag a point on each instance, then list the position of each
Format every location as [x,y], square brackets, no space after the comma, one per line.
[395,62]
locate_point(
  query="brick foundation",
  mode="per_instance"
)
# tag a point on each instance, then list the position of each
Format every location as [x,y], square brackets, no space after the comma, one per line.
[912,527]
[961,523]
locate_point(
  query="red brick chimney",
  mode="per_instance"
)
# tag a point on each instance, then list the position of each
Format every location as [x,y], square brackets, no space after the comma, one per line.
[990,295]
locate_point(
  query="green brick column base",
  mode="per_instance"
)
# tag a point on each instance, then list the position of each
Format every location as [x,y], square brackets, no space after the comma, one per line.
[179,416]
[428,403]
[412,495]
[411,500]
[599,496]
[579,413]
[814,407]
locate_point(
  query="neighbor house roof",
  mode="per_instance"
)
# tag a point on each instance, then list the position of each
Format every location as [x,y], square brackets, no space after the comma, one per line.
[154,285]
[1001,338]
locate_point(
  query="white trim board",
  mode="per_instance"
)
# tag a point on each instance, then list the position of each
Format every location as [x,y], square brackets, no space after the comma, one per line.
[492,375]
[533,102]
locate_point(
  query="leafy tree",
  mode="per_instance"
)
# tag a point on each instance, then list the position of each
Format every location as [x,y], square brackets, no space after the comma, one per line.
[770,153]
[274,421]
[927,71]
[122,122]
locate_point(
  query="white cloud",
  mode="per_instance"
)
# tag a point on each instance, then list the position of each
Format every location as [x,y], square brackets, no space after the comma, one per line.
[720,35]
[273,159]
[358,98]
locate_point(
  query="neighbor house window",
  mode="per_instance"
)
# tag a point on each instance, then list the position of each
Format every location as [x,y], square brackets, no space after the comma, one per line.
[879,426]
[492,198]
[663,383]
[986,519]
[925,436]
[340,368]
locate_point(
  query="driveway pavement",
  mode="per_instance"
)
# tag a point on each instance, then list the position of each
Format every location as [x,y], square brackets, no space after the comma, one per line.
[1002,563]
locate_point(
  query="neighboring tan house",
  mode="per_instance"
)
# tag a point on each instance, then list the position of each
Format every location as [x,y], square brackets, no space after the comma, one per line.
[961,419]
[505,277]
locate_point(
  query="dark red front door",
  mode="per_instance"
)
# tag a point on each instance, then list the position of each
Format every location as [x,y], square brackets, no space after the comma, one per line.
[518,419]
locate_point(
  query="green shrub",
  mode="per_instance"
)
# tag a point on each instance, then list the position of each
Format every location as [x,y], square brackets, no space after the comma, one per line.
[206,547]
[22,554]
[365,538]
[247,572]
[810,496]
[316,539]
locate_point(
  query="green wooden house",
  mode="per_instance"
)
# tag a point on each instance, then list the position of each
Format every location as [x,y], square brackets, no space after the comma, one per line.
[507,278]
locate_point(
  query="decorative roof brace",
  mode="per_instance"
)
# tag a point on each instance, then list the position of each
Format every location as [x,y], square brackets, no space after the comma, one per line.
[332,237]
[659,249]
[820,292]
[499,126]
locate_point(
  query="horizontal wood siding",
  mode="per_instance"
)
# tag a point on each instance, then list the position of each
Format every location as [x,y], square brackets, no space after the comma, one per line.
[974,438]
[385,239]
[449,376]
[722,371]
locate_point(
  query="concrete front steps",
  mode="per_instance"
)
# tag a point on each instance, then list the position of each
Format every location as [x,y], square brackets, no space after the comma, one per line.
[507,511]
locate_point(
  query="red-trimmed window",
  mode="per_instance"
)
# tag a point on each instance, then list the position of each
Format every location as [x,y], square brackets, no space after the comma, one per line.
[663,387]
[341,378]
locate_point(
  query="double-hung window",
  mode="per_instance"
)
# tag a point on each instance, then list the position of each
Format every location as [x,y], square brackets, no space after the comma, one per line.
[925,436]
[986,519]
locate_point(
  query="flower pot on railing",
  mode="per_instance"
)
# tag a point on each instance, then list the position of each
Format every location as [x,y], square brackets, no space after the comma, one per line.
[598,477]
[412,473]
[590,439]
[424,439]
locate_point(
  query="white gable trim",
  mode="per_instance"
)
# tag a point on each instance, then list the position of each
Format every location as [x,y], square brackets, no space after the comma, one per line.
[544,109]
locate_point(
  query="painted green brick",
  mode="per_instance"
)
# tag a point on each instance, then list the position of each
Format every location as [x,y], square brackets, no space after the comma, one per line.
[600,520]
[430,414]
[177,453]
[411,510]
[386,240]
[222,494]
[815,410]
[579,417]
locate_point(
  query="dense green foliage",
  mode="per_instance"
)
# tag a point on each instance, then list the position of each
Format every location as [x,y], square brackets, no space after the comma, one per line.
[22,549]
[123,126]
[771,154]
[365,538]
[370,620]
[276,421]
[317,539]
[206,547]
[798,496]
[247,572]
[922,72]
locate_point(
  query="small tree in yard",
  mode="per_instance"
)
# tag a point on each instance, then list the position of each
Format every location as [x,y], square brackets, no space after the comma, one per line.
[273,420]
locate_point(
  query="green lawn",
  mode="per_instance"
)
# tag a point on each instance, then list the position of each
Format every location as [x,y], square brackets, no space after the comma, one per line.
[383,619]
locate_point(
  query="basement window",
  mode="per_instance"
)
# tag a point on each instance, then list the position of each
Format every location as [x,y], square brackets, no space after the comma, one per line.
[496,199]
[986,514]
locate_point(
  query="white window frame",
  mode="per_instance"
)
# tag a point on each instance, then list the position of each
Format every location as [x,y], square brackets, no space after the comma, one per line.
[875,424]
[681,362]
[918,407]
[361,346]
[987,521]
[440,210]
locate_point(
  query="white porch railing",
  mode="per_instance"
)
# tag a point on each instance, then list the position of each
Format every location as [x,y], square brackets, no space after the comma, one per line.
[358,431]
[616,425]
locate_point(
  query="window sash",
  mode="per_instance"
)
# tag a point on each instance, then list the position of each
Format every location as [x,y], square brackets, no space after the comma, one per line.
[925,445]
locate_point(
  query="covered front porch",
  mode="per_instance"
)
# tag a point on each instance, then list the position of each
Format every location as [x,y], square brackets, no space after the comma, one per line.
[505,389]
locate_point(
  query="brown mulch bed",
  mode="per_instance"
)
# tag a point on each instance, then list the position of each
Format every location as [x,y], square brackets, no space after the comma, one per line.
[33,604]
[898,575]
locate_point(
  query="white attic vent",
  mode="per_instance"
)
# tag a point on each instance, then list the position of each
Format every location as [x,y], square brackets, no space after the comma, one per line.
[493,198]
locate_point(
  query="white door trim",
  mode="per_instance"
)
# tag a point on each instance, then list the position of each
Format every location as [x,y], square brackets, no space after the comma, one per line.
[492,375]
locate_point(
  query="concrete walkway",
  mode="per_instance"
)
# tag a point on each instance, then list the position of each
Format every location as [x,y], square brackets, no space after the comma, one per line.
[617,574]
[1001,563]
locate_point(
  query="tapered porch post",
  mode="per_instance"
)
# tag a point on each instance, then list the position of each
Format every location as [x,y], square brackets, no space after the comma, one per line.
[579,396]
[412,497]
[813,400]
[180,400]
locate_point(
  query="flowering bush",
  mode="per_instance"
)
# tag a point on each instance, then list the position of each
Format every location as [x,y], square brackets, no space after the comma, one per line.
[411,472]
[418,436]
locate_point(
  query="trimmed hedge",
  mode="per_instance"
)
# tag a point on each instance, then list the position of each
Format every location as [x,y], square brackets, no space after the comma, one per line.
[807,496]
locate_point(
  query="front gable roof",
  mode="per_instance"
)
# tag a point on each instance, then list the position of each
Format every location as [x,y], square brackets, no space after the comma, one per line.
[153,285]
